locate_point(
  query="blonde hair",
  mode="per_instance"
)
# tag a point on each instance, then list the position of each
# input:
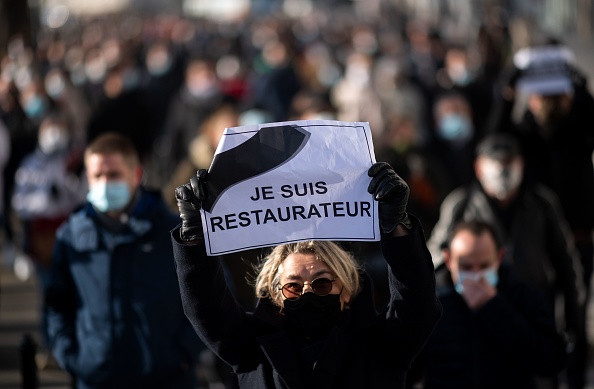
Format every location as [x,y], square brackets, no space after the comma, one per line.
[341,263]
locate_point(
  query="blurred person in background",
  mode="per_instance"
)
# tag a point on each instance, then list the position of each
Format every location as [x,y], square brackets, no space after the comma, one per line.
[201,148]
[231,72]
[493,43]
[455,136]
[529,221]
[90,74]
[114,311]
[274,81]
[22,130]
[123,107]
[425,48]
[462,72]
[318,67]
[163,76]
[400,96]
[193,103]
[35,101]
[48,186]
[402,147]
[496,330]
[556,131]
[71,102]
[354,96]
[4,156]
[312,105]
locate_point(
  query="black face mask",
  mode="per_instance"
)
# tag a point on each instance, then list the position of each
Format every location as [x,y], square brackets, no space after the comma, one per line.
[313,315]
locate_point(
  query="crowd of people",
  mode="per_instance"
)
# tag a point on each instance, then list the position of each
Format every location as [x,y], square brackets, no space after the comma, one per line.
[493,135]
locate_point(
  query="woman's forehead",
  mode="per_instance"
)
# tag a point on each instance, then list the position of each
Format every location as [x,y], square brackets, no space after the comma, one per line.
[302,264]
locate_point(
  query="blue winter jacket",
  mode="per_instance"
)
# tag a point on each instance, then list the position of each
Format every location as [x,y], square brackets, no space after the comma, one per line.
[114,310]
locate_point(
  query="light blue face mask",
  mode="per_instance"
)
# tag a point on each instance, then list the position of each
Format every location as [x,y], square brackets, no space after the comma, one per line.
[463,79]
[455,127]
[35,107]
[109,196]
[490,275]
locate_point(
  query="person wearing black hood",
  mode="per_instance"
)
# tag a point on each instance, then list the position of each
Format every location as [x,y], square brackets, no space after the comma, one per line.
[315,323]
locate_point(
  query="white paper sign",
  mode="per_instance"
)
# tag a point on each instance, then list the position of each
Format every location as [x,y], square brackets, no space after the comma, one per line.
[285,182]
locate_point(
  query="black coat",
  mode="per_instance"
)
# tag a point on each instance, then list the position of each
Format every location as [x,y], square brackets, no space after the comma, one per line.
[563,160]
[559,156]
[535,235]
[365,350]
[503,344]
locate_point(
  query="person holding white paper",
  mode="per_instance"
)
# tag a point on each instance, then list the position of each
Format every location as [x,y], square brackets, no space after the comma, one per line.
[315,323]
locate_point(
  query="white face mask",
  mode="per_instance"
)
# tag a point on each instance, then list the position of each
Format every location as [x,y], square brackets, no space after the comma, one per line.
[500,180]
[158,62]
[96,70]
[456,128]
[55,85]
[53,139]
[357,74]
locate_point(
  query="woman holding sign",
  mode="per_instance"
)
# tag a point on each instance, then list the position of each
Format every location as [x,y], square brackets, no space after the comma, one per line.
[315,323]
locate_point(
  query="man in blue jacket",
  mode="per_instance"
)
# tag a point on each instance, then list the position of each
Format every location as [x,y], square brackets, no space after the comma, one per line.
[115,317]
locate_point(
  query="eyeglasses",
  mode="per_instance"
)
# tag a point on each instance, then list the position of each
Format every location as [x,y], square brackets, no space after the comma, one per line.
[294,290]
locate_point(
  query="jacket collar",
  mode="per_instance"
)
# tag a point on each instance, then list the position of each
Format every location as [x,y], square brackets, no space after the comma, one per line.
[283,354]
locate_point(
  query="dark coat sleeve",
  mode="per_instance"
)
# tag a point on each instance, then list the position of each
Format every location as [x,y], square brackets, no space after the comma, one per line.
[205,294]
[565,260]
[413,309]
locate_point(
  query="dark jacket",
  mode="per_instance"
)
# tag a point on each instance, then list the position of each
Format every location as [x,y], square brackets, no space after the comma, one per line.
[503,344]
[535,235]
[559,156]
[114,309]
[365,350]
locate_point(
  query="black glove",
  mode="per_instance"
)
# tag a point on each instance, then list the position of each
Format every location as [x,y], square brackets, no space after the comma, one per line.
[392,193]
[189,201]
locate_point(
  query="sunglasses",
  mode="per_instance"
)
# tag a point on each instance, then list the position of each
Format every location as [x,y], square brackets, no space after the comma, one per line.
[294,290]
